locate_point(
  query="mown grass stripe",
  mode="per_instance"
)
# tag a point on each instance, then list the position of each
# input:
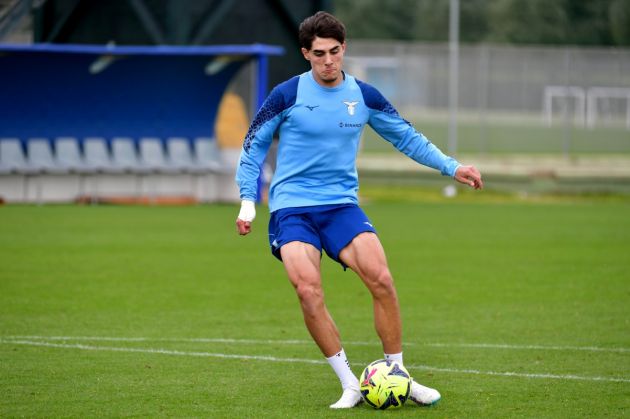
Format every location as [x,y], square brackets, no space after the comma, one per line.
[301,360]
[309,342]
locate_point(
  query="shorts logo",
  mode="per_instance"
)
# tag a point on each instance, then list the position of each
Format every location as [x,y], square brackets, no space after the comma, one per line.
[365,222]
[350,106]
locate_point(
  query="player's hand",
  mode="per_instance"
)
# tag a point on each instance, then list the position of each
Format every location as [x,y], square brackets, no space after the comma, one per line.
[469,175]
[245,217]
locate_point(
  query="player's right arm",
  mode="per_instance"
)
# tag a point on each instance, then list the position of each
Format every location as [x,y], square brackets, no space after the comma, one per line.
[255,148]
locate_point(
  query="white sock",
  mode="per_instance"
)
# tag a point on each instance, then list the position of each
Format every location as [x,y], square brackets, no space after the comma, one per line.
[395,357]
[341,366]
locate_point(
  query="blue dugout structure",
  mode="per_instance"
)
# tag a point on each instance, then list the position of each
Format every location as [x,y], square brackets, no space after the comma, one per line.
[145,95]
[52,90]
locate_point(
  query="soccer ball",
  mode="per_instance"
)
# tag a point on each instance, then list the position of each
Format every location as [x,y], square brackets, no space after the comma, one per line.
[385,384]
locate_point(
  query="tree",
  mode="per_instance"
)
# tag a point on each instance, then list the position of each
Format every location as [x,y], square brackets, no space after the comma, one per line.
[528,21]
[619,16]
[376,19]
[578,22]
[588,22]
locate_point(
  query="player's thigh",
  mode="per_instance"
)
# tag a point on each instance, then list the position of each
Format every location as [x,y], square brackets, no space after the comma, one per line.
[365,256]
[302,261]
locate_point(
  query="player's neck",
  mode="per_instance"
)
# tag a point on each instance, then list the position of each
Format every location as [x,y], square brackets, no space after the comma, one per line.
[329,83]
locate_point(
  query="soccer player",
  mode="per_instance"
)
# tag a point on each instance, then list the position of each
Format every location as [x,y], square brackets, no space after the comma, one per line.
[319,116]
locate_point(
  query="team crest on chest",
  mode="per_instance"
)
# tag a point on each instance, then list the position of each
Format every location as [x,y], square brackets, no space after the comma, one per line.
[350,106]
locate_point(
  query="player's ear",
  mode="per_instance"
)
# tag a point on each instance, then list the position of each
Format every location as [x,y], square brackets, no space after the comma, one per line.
[305,54]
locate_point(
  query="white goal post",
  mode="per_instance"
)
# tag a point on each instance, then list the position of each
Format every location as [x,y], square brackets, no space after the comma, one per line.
[586,111]
[595,94]
[565,93]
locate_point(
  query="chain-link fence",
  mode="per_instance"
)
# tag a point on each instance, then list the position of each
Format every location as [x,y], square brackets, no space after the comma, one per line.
[511,99]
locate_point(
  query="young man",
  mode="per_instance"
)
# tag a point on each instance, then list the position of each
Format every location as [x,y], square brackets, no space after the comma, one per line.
[313,194]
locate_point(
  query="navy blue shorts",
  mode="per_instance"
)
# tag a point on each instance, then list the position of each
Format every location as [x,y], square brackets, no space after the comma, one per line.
[328,227]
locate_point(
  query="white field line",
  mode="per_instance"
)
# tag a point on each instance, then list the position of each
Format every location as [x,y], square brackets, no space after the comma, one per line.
[300,360]
[535,347]
[310,342]
[160,351]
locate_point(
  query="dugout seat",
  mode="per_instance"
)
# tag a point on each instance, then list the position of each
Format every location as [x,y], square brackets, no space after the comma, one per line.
[152,157]
[124,156]
[96,155]
[68,155]
[180,156]
[12,158]
[41,162]
[207,156]
[40,156]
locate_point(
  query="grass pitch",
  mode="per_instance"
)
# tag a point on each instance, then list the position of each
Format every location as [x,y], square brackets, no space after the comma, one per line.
[509,309]
[494,137]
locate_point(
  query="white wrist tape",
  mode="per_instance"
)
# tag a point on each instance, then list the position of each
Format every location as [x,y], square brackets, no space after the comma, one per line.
[248,211]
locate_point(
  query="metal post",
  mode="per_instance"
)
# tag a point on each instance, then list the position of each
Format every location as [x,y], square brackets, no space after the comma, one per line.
[261,79]
[453,79]
[262,66]
[483,91]
[566,144]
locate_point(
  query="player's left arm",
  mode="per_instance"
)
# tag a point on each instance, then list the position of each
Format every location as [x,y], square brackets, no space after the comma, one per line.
[407,140]
[388,123]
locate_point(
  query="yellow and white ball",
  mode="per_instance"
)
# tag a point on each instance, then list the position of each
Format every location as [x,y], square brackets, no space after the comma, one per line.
[385,384]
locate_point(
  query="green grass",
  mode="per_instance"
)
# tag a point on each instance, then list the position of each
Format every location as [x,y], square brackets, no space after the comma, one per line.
[510,138]
[548,280]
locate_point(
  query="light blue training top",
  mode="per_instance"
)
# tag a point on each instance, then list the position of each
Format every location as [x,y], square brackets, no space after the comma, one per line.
[320,129]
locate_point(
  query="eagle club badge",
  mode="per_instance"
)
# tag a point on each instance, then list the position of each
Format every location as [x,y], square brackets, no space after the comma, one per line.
[350,106]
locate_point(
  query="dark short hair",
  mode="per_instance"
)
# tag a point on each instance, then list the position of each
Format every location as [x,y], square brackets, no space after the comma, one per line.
[323,25]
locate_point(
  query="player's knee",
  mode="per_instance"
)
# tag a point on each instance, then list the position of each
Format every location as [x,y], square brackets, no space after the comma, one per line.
[310,295]
[382,284]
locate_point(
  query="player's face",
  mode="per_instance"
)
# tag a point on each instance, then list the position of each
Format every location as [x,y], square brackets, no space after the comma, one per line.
[326,57]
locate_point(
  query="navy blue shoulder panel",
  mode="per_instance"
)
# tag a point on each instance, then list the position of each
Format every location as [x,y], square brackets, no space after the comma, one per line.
[282,97]
[289,91]
[375,100]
